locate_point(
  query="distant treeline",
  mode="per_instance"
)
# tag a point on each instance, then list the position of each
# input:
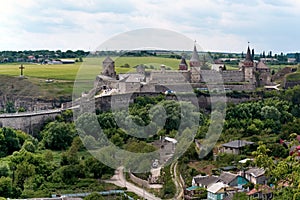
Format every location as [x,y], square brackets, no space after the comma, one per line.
[39,55]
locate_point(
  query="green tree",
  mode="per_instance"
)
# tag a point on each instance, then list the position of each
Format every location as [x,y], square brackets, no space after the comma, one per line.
[117,140]
[293,94]
[6,187]
[48,156]
[90,143]
[97,168]
[9,142]
[29,146]
[88,124]
[270,112]
[4,170]
[24,170]
[262,159]
[58,135]
[94,196]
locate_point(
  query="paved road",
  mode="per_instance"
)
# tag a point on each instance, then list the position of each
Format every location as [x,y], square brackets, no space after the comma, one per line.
[119,180]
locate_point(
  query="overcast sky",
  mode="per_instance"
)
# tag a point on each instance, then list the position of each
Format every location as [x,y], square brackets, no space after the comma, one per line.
[217,25]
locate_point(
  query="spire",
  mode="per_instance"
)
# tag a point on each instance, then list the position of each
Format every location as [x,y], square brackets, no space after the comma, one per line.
[195,56]
[248,55]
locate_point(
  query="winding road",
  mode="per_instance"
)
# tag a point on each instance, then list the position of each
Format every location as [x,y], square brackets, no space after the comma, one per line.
[119,180]
[177,181]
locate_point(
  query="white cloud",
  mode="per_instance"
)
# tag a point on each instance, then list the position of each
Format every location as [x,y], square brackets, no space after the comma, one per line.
[217,25]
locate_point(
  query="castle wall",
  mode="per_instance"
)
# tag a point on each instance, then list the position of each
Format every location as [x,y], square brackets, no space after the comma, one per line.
[290,84]
[241,87]
[125,87]
[211,76]
[195,74]
[264,78]
[168,77]
[233,76]
[105,81]
[28,122]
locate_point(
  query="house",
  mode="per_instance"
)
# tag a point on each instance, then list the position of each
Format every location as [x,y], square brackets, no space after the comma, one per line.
[262,192]
[233,180]
[256,175]
[219,191]
[235,147]
[204,181]
[194,192]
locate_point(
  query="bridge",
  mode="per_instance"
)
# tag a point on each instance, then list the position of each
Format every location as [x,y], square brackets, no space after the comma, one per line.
[28,122]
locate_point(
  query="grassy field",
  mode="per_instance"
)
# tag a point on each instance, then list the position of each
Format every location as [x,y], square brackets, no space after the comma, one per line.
[91,66]
[63,75]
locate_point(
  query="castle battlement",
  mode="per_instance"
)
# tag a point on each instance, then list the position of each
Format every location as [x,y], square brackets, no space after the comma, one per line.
[232,72]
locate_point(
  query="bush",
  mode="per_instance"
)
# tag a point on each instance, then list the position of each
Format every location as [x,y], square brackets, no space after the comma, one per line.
[94,196]
[28,146]
[4,170]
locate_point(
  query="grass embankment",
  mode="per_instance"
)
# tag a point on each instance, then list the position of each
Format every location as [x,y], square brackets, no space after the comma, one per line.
[293,77]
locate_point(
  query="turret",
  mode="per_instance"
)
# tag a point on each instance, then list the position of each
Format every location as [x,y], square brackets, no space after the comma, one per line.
[109,67]
[195,60]
[183,65]
[195,66]
[248,67]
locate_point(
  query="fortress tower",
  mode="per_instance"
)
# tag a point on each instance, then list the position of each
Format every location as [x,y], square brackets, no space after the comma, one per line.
[195,66]
[248,67]
[109,67]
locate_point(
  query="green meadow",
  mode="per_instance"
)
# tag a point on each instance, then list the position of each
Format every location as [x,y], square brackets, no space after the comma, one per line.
[90,67]
[62,76]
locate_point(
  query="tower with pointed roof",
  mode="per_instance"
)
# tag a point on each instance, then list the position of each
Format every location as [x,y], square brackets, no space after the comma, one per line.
[183,65]
[195,60]
[248,67]
[195,66]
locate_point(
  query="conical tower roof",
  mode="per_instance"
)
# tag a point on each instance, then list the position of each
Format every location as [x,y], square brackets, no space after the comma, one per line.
[248,55]
[195,56]
[183,61]
[262,65]
[108,60]
[183,65]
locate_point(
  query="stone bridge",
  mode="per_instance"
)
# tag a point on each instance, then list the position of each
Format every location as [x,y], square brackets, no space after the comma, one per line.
[29,122]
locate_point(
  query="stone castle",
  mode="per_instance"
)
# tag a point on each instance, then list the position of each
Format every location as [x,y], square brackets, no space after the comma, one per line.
[251,74]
